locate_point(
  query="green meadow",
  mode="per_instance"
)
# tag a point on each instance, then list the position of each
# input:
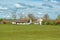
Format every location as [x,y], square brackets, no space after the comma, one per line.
[29,32]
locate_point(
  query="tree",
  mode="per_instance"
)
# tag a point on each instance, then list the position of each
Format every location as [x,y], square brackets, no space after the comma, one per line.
[57,21]
[1,20]
[21,15]
[14,14]
[46,17]
[58,17]
[31,16]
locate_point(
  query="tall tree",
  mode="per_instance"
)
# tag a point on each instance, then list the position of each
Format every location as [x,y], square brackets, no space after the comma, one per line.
[46,16]
[31,16]
[21,15]
[14,15]
[1,20]
[58,17]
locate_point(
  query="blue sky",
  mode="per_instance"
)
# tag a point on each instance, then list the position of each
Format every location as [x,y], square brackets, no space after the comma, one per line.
[37,7]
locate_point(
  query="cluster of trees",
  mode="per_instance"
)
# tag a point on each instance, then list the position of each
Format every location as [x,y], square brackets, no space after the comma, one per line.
[2,21]
[46,19]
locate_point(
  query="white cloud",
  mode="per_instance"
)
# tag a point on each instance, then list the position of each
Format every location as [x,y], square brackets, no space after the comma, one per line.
[3,8]
[39,13]
[18,5]
[8,16]
[54,1]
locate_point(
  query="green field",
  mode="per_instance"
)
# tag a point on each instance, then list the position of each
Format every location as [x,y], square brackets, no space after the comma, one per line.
[29,32]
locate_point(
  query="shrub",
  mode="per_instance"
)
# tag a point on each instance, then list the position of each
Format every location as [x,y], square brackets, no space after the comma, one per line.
[57,22]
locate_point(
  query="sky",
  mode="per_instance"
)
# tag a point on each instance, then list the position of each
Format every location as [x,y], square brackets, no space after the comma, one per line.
[36,7]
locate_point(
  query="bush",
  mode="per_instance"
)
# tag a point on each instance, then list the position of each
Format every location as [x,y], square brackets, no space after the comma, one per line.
[57,22]
[49,22]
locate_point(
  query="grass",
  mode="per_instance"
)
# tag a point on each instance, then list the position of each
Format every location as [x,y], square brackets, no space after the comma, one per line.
[29,32]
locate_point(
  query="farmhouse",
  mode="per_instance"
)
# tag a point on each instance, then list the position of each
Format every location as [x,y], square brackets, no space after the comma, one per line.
[22,22]
[39,21]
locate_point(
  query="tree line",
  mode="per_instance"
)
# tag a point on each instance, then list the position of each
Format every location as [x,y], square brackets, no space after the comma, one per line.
[46,19]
